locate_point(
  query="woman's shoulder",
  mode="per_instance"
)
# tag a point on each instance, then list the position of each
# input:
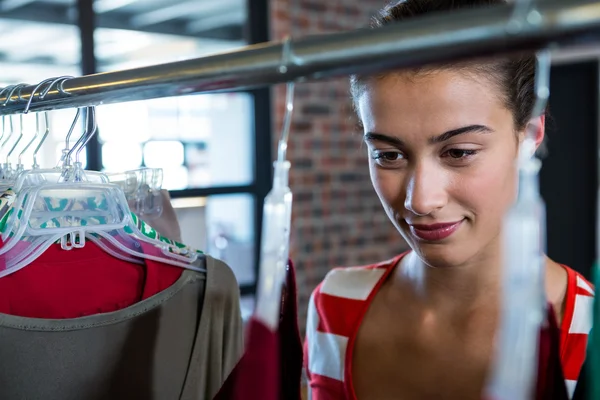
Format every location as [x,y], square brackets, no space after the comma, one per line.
[340,298]
[576,325]
[335,310]
[356,282]
[578,280]
[578,303]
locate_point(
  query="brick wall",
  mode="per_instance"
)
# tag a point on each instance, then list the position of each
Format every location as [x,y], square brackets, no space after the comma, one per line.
[338,219]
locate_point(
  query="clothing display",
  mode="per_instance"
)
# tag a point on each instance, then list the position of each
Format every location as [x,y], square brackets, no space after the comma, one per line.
[180,343]
[339,303]
[8,197]
[84,281]
[96,304]
[81,282]
[85,324]
[271,366]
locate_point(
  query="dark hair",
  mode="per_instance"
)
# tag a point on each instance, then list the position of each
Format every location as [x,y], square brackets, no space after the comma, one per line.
[514,75]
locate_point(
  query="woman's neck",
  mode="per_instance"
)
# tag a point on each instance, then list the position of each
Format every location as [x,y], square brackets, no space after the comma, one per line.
[467,290]
[471,285]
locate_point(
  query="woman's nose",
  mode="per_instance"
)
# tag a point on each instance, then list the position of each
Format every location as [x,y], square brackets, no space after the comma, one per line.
[425,191]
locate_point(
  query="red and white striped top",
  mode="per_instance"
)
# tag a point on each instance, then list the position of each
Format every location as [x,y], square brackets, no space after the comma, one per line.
[338,305]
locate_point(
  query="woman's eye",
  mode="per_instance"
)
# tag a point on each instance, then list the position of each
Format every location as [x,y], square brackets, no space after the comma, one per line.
[385,158]
[460,153]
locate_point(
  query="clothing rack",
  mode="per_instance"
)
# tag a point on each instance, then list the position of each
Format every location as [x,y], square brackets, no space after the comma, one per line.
[426,40]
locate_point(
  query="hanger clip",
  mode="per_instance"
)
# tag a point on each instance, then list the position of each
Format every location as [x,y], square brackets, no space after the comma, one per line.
[73,240]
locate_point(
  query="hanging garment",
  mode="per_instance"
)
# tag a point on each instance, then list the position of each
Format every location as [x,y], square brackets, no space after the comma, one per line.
[271,366]
[550,384]
[87,325]
[181,343]
[80,282]
[338,304]
[583,390]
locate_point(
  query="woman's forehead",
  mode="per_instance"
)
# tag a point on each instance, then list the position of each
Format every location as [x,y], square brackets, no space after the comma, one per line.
[433,100]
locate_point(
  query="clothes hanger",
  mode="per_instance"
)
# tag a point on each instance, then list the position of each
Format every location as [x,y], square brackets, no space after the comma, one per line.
[523,306]
[142,188]
[36,224]
[277,214]
[38,116]
[6,131]
[7,172]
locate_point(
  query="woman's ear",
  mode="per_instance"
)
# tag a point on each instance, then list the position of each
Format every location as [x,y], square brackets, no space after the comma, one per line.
[537,126]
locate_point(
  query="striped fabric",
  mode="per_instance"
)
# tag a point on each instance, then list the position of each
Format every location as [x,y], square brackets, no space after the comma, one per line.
[338,304]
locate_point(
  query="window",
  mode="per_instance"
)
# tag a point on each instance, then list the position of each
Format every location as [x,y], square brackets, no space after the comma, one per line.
[199,141]
[226,235]
[24,58]
[214,149]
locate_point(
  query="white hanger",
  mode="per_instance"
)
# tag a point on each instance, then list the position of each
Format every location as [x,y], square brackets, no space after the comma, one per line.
[523,304]
[276,224]
[35,225]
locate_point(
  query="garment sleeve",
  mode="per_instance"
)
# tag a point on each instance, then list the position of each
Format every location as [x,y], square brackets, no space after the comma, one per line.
[312,321]
[219,339]
[233,330]
[306,371]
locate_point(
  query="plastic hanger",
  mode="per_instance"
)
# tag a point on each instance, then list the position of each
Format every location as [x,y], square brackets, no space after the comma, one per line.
[277,214]
[523,309]
[90,208]
[142,188]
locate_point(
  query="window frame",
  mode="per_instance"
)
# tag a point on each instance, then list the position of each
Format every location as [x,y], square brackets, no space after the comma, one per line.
[256,31]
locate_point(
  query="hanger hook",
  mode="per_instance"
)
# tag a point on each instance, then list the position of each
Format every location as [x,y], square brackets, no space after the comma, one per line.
[18,139]
[64,161]
[71,129]
[12,91]
[51,81]
[86,137]
[35,136]
[3,128]
[10,133]
[286,60]
[44,136]
[92,112]
[5,90]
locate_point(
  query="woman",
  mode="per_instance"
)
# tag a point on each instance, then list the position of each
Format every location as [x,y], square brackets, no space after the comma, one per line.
[442,143]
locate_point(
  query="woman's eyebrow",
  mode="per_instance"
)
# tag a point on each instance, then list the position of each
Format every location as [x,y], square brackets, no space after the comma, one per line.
[455,132]
[380,137]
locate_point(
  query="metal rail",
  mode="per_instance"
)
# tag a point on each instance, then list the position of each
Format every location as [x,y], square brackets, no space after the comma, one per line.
[430,39]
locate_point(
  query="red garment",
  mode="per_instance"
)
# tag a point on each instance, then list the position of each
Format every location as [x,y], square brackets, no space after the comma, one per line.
[550,383]
[256,376]
[271,366]
[64,284]
[339,303]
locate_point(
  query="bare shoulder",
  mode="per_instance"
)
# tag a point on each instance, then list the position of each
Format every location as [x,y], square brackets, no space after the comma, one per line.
[562,285]
[344,288]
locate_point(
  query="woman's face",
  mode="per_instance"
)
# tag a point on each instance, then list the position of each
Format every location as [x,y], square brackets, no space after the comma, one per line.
[442,149]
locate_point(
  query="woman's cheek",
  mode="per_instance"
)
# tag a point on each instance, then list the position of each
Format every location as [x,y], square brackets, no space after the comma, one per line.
[491,190]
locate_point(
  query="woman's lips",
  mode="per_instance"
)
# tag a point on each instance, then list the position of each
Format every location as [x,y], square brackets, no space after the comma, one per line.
[435,232]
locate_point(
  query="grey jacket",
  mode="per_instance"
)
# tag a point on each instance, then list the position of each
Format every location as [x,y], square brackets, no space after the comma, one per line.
[179,344]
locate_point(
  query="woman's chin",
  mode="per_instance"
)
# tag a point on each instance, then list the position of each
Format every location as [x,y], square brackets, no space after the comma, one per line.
[440,256]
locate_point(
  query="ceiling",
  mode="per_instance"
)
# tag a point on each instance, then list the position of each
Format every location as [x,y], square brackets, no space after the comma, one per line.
[40,37]
[220,19]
